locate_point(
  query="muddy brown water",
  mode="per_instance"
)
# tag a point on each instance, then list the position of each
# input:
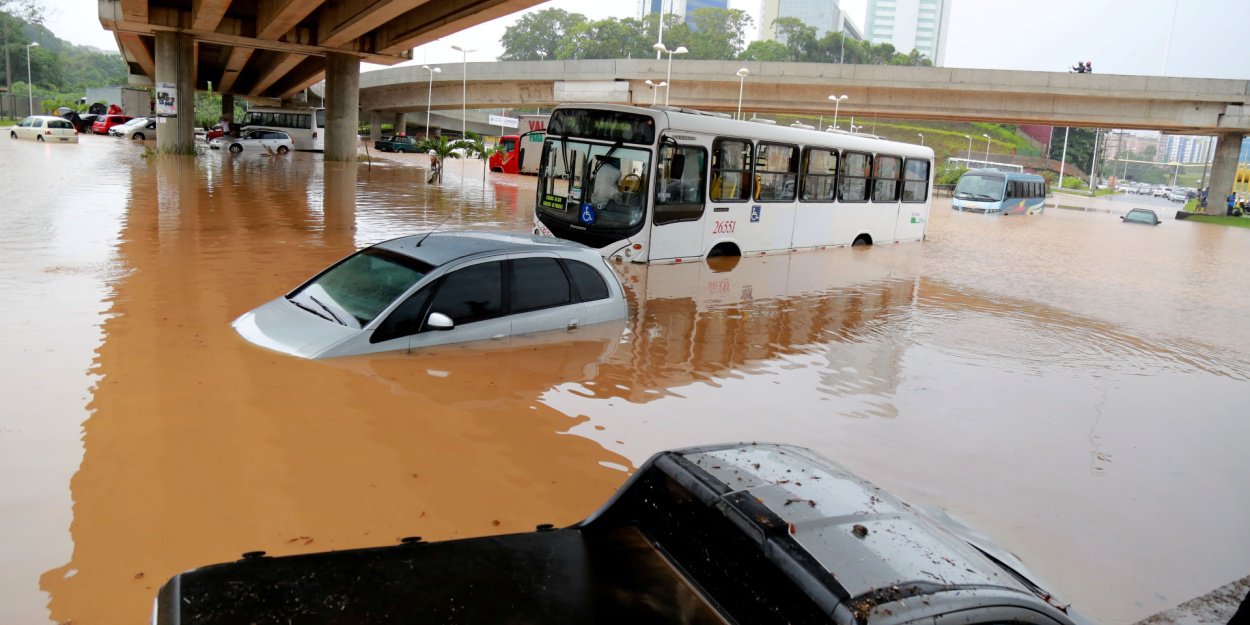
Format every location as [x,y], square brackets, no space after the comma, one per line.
[1075,387]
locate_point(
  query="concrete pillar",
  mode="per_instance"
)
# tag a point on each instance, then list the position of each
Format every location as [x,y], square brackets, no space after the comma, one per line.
[175,65]
[401,123]
[375,125]
[227,107]
[342,102]
[1223,171]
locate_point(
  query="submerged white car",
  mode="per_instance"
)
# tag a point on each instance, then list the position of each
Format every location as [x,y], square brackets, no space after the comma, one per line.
[45,129]
[436,289]
[262,139]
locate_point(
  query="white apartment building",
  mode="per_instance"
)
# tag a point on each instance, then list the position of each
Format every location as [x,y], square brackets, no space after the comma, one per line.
[910,25]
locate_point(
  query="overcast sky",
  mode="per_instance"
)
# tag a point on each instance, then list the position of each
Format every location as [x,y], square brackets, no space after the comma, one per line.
[1209,38]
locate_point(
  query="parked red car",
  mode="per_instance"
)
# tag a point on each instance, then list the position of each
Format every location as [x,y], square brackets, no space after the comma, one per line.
[104,122]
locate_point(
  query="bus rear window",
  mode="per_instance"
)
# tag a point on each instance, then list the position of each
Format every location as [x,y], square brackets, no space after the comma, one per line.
[602,125]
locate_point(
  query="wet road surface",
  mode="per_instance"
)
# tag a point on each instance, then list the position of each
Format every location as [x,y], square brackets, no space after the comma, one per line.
[1073,386]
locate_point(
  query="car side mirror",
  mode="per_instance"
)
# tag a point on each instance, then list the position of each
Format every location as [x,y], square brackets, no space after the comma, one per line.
[439,321]
[1121,217]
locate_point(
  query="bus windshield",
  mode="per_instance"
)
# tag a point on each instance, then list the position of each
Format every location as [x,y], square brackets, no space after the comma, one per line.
[980,187]
[593,185]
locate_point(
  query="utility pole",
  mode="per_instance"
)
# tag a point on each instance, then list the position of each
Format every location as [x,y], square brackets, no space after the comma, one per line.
[1062,159]
[1093,166]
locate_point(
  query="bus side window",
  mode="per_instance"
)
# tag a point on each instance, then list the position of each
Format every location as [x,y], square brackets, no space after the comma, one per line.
[915,180]
[731,170]
[682,171]
[777,172]
[853,177]
[885,175]
[820,175]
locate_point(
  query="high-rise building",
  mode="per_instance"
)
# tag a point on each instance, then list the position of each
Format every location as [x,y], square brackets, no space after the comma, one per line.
[1182,149]
[826,15]
[908,25]
[682,8]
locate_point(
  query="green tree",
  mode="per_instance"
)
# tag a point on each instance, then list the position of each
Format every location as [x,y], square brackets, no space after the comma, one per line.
[718,34]
[442,148]
[544,31]
[1080,147]
[766,50]
[606,39]
[799,38]
[476,147]
[14,15]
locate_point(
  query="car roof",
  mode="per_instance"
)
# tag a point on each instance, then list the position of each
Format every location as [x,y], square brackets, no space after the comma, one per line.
[836,514]
[440,248]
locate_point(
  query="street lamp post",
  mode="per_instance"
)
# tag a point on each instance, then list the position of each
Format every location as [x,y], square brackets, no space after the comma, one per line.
[987,149]
[1063,158]
[654,87]
[837,100]
[742,77]
[464,87]
[659,47]
[429,96]
[30,88]
[969,157]
[921,137]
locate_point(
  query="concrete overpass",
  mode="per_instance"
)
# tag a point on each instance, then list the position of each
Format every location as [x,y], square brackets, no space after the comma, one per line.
[1169,104]
[274,48]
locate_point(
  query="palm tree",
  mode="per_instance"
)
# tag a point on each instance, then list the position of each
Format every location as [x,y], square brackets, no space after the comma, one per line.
[443,150]
[476,147]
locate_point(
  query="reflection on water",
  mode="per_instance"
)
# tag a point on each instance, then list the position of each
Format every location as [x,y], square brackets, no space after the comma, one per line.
[1042,379]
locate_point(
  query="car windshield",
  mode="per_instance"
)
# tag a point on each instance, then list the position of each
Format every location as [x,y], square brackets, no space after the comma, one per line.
[980,187]
[1140,216]
[358,289]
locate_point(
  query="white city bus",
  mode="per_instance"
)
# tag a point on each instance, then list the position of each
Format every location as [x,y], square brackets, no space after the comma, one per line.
[664,185]
[305,125]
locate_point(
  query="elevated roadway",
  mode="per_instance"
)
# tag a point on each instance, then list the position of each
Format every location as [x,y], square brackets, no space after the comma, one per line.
[1175,105]
[275,48]
[1170,104]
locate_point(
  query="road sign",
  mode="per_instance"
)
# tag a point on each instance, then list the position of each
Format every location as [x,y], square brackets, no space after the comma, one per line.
[500,120]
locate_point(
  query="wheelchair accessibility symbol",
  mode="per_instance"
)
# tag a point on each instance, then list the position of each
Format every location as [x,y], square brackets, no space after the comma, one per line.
[587,215]
[755,213]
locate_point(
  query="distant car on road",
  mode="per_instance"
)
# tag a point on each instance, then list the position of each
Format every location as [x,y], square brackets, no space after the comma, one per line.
[436,289]
[1178,195]
[1161,191]
[261,139]
[1141,216]
[45,129]
[140,132]
[120,129]
[399,143]
[747,533]
[104,122]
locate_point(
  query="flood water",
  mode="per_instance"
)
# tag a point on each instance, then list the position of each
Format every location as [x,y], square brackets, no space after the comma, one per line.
[1073,386]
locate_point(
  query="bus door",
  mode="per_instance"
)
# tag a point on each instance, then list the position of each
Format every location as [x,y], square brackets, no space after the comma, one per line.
[529,152]
[678,218]
[913,214]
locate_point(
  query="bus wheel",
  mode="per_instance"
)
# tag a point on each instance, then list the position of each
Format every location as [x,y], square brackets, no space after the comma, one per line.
[862,239]
[724,249]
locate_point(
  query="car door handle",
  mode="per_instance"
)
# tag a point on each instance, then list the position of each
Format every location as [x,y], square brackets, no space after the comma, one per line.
[497,337]
[573,324]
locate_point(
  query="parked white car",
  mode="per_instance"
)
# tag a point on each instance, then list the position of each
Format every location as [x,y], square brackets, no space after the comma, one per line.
[45,129]
[120,129]
[140,132]
[259,139]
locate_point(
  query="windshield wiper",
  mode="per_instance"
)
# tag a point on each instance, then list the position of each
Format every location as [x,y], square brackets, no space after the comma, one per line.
[309,309]
[327,308]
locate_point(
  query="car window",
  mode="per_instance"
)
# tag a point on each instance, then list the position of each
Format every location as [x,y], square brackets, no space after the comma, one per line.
[471,294]
[588,281]
[538,283]
[60,124]
[38,123]
[25,123]
[255,134]
[405,320]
